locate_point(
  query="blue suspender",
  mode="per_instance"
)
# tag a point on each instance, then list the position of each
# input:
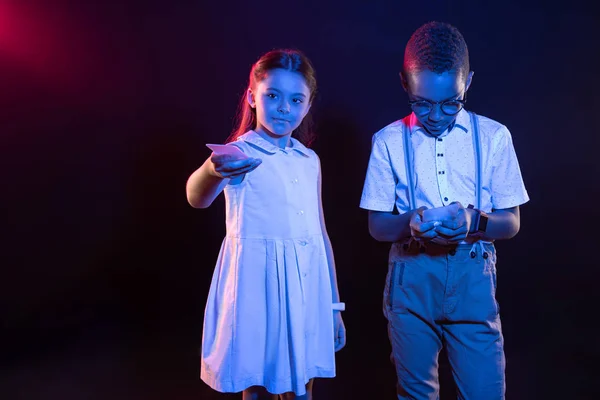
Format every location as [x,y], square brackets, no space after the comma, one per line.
[409,160]
[477,148]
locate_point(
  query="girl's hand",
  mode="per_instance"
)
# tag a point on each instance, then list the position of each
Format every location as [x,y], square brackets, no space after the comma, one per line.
[422,230]
[339,330]
[456,229]
[229,166]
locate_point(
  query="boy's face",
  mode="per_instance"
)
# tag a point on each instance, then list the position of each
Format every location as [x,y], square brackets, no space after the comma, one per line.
[436,88]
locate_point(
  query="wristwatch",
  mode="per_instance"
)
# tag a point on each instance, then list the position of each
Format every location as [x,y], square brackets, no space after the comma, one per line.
[481,220]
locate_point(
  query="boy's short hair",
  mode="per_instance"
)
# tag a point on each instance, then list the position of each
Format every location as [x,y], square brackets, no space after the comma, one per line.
[438,47]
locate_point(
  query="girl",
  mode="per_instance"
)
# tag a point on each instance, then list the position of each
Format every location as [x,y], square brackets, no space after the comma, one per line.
[272,319]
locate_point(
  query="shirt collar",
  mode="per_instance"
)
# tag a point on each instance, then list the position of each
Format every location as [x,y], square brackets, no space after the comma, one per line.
[255,139]
[462,122]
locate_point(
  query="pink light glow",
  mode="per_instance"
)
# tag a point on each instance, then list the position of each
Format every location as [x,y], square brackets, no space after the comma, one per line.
[29,38]
[59,47]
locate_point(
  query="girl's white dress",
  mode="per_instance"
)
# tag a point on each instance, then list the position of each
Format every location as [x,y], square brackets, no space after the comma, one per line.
[268,319]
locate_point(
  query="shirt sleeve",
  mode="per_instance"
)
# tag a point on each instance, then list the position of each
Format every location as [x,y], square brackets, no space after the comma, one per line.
[379,190]
[508,188]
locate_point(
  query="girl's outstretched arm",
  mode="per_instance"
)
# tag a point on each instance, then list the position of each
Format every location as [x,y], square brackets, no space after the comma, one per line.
[208,181]
[203,186]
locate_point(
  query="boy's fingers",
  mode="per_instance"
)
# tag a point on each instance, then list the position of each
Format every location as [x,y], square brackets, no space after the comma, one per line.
[448,232]
[445,231]
[457,203]
[427,226]
[418,215]
[429,234]
[450,224]
[454,223]
[416,218]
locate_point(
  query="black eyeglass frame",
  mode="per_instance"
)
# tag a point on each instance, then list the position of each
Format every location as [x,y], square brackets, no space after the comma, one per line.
[431,104]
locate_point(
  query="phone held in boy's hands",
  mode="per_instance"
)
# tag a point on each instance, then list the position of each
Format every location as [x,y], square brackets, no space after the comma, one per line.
[440,213]
[223,149]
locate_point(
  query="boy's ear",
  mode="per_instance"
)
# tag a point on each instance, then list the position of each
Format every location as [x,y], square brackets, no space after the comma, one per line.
[469,80]
[250,98]
[403,81]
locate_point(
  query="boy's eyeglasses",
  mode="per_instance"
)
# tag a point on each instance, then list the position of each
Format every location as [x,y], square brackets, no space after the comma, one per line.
[448,107]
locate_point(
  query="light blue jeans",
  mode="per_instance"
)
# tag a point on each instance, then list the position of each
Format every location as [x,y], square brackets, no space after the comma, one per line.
[445,296]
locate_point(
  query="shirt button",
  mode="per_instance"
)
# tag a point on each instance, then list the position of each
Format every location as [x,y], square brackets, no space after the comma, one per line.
[295,180]
[300,212]
[445,199]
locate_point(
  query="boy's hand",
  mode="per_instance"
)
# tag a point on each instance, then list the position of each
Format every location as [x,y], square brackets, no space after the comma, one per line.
[456,229]
[422,230]
[229,166]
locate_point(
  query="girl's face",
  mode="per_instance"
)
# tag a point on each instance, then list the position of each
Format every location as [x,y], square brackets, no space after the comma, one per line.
[281,100]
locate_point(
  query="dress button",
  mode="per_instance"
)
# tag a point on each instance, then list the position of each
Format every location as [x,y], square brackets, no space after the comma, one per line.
[485,255]
[452,252]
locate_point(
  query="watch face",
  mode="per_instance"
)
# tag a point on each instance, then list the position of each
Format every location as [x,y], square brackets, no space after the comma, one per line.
[483,219]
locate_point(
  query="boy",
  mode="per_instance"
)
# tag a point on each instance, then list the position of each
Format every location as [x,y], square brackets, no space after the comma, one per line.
[441,282]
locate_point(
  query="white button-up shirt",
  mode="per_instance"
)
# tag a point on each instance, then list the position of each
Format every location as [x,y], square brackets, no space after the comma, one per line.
[444,167]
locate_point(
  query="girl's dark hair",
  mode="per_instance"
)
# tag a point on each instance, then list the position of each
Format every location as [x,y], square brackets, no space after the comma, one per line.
[289,60]
[438,47]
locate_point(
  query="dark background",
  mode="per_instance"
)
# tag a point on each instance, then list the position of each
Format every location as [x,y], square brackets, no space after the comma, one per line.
[105,108]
